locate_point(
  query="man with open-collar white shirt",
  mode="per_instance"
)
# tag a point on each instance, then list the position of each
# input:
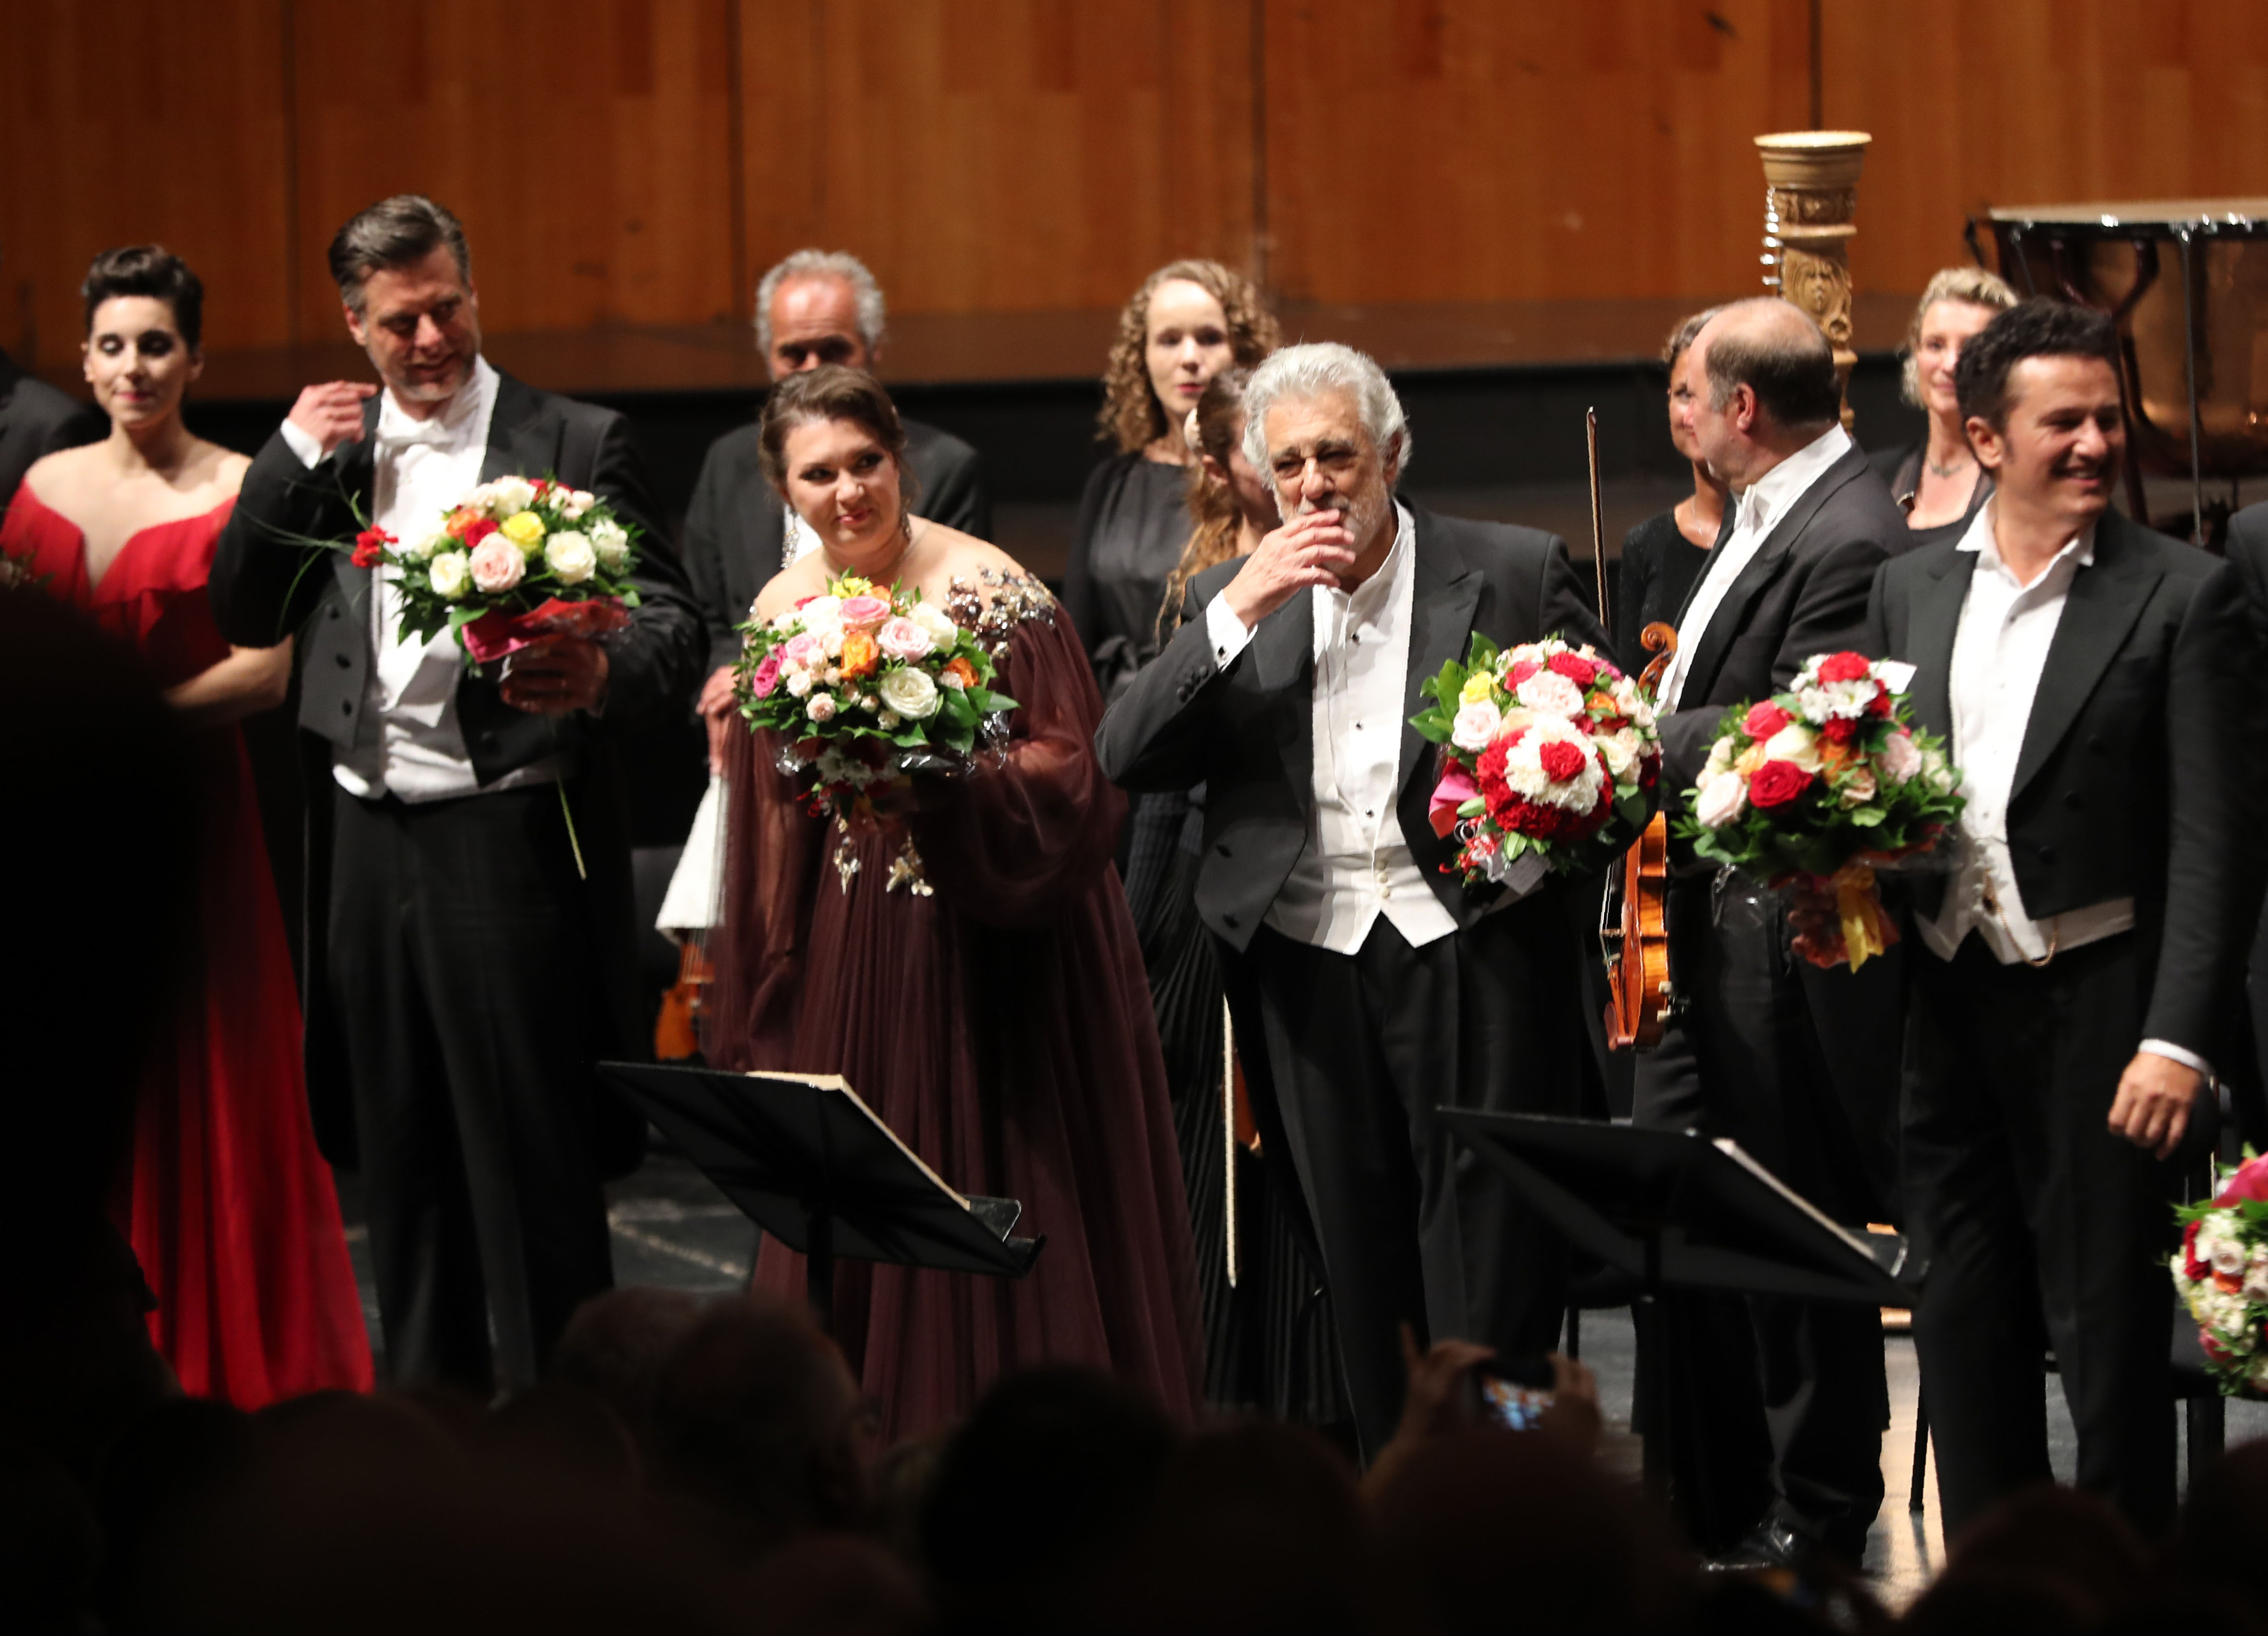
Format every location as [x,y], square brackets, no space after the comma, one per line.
[2081,968]
[1775,1439]
[464,967]
[1369,986]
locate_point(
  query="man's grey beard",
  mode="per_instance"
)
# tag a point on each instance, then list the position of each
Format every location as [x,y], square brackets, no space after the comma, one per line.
[1360,518]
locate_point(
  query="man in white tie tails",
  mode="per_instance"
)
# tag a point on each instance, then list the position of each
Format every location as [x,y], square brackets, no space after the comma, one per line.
[463,973]
[1370,986]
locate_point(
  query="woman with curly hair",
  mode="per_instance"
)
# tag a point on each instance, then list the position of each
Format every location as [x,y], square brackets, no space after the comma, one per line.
[1190,320]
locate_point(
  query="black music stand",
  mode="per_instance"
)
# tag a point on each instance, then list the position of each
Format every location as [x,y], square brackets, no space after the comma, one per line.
[813,1165]
[1676,1211]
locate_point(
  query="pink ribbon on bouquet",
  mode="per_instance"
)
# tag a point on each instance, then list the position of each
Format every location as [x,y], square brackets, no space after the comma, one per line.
[496,635]
[1454,789]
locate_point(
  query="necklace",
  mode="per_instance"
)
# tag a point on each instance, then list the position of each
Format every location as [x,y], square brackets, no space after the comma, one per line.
[881,576]
[1951,469]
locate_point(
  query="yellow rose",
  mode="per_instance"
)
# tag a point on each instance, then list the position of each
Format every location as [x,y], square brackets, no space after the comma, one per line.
[1749,760]
[524,529]
[1477,689]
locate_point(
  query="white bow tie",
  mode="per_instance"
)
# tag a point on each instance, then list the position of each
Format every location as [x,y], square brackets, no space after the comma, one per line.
[402,433]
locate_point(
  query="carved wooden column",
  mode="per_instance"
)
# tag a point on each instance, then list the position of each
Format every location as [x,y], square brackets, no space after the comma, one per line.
[1811,178]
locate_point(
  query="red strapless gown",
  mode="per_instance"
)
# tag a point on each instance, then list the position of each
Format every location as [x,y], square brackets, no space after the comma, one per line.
[226,1202]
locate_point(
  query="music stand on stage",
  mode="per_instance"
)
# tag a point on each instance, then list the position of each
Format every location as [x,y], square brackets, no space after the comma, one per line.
[813,1165]
[1674,1210]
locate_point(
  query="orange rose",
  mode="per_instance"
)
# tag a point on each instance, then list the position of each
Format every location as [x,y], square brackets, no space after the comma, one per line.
[958,671]
[859,654]
[1832,755]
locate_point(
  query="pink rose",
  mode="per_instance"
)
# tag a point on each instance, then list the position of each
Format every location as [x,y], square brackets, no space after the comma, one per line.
[902,638]
[499,564]
[863,612]
[804,650]
[2250,1182]
[767,677]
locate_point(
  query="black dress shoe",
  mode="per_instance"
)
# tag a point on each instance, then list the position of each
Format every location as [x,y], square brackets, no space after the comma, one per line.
[1772,1543]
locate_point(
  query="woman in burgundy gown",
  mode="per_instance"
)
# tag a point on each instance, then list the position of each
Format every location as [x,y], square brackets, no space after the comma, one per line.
[993,1010]
[229,1207]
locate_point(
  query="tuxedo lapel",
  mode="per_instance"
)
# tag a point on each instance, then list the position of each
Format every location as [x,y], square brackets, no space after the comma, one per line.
[523,442]
[1444,592]
[2105,600]
[1762,569]
[1936,621]
[1283,656]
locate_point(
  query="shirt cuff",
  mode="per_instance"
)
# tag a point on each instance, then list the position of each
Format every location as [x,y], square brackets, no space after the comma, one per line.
[302,443]
[1227,633]
[2172,1052]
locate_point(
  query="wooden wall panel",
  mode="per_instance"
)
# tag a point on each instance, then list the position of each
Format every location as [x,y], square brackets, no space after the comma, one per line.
[2034,102]
[1466,149]
[996,155]
[585,144]
[133,120]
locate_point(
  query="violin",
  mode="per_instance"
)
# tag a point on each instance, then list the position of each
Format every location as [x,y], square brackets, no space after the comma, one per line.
[677,1028]
[1633,929]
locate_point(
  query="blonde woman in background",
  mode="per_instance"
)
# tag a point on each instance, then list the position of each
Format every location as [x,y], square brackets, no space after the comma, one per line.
[1937,482]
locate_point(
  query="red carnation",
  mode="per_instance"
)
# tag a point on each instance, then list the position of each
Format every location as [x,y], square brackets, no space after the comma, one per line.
[1776,782]
[1520,673]
[1840,730]
[1880,704]
[1560,759]
[1764,719]
[1490,767]
[1576,668]
[370,546]
[2193,1268]
[1844,667]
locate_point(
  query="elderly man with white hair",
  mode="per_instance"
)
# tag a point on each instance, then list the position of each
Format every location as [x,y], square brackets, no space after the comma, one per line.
[816,307]
[1369,986]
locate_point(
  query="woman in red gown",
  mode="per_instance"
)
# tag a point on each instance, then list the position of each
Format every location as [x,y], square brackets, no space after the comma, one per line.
[228,1206]
[981,988]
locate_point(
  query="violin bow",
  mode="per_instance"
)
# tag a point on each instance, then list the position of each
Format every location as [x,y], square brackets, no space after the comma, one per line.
[1598,517]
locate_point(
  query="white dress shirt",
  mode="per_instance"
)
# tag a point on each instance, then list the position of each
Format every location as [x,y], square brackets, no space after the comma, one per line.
[408,740]
[1760,507]
[1357,864]
[1999,650]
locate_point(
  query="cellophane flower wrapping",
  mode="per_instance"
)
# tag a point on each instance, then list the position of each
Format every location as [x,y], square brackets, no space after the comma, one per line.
[1549,754]
[1813,789]
[869,686]
[2220,1273]
[517,559]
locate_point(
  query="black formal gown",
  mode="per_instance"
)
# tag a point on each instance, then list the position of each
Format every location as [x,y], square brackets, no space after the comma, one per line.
[1659,567]
[1267,1339]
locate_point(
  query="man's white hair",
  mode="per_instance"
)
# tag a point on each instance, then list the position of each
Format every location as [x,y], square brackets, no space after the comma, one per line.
[1297,375]
[822,264]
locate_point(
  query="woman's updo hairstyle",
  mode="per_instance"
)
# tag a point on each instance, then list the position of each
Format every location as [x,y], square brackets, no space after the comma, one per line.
[831,392]
[153,270]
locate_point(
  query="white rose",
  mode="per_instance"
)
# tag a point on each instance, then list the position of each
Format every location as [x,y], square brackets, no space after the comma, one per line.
[910,693]
[890,721]
[1720,760]
[1475,726]
[1899,759]
[572,503]
[1723,798]
[1549,693]
[821,707]
[830,638]
[2256,1284]
[2227,1256]
[431,546]
[1621,752]
[570,556]
[821,611]
[450,575]
[798,682]
[613,545]
[1858,789]
[507,495]
[936,622]
[1794,742]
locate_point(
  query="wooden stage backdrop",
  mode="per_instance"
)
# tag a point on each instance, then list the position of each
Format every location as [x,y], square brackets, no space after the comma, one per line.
[636,162]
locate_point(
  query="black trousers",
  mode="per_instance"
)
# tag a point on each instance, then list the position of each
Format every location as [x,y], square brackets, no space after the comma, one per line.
[1778,1406]
[1356,1053]
[461,967]
[2041,1227]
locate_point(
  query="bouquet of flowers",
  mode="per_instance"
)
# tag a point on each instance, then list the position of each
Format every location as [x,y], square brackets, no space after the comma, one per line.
[1815,789]
[869,686]
[1547,753]
[2220,1273]
[514,561]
